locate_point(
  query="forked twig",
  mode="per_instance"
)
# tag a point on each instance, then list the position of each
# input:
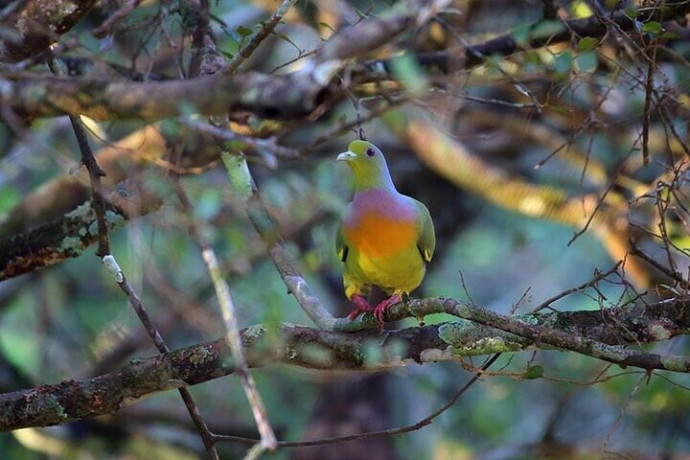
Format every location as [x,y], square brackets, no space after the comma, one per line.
[266,30]
[598,276]
[95,174]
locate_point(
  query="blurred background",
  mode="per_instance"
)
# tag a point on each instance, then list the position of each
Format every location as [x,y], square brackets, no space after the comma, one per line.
[544,186]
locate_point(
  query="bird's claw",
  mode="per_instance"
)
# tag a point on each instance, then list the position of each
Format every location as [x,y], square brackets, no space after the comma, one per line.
[362,306]
[384,305]
[355,313]
[378,311]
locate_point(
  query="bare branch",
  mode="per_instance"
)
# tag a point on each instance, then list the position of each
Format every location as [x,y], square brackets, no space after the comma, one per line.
[633,324]
[142,314]
[233,335]
[111,22]
[38,25]
[266,95]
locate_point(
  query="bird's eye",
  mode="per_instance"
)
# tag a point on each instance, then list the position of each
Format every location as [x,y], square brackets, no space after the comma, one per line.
[370,152]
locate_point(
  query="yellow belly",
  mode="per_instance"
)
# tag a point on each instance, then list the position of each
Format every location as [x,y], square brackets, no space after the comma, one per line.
[382,251]
[401,272]
[389,260]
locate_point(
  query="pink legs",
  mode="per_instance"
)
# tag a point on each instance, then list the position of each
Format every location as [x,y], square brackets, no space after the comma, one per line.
[381,308]
[364,307]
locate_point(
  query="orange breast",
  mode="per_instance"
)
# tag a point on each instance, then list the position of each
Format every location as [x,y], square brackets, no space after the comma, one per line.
[380,236]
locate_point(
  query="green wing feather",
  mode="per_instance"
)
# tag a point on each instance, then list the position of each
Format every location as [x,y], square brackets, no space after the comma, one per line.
[427,237]
[340,246]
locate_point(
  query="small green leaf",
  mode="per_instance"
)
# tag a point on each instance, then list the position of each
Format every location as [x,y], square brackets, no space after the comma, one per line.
[581,9]
[587,44]
[669,35]
[652,27]
[244,31]
[521,34]
[9,197]
[534,372]
[407,70]
[533,58]
[547,28]
[587,61]
[632,13]
[563,63]
[287,39]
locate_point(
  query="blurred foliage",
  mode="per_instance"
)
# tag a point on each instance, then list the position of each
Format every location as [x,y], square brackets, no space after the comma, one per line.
[63,322]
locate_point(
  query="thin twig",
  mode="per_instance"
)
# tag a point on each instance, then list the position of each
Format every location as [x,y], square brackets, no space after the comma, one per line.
[346,125]
[95,174]
[677,277]
[233,335]
[109,24]
[266,30]
[646,113]
[234,339]
[597,277]
[261,145]
[297,286]
[379,433]
[590,218]
[206,436]
[624,407]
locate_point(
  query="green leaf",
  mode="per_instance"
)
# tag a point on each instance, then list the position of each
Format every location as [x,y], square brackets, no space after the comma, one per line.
[9,197]
[632,13]
[532,57]
[534,372]
[669,35]
[244,31]
[287,39]
[581,9]
[587,61]
[587,44]
[521,34]
[547,28]
[407,70]
[238,173]
[652,27]
[563,63]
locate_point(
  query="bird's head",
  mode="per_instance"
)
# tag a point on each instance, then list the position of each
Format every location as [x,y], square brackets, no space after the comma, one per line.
[368,165]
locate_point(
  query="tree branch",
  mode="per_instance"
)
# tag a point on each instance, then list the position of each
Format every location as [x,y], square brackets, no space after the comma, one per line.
[268,96]
[71,234]
[573,29]
[324,350]
[37,25]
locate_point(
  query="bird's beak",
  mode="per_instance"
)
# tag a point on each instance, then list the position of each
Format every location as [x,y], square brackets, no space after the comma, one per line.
[346,156]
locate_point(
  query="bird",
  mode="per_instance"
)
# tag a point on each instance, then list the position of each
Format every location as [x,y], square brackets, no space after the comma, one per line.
[384,238]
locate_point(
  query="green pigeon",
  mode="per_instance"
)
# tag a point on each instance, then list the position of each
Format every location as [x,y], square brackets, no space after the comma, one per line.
[384,238]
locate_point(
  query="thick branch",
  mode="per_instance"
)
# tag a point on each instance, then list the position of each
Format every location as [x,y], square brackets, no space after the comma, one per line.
[371,34]
[39,24]
[70,235]
[266,95]
[317,349]
[573,29]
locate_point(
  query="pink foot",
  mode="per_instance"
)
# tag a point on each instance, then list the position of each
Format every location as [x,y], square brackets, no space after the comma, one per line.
[384,305]
[362,306]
